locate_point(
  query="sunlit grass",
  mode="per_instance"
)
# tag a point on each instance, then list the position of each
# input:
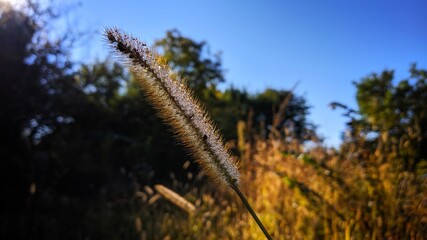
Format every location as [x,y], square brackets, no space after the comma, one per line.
[300,194]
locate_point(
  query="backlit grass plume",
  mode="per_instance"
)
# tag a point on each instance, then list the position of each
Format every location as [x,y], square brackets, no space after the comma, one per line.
[176,105]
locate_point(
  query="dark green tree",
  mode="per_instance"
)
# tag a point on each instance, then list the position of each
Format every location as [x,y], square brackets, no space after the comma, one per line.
[392,116]
[281,108]
[34,85]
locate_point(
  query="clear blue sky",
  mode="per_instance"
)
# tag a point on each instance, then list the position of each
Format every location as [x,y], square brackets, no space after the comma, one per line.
[273,44]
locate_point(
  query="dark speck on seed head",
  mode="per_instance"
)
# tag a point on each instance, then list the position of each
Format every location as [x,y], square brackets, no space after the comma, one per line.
[110,37]
[122,48]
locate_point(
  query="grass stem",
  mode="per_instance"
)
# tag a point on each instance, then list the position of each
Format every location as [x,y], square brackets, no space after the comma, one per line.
[252,212]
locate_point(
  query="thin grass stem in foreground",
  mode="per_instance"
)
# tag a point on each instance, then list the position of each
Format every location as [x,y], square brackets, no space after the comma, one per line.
[251,211]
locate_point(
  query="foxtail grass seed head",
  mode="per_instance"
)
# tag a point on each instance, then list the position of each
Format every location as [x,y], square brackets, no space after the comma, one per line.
[176,105]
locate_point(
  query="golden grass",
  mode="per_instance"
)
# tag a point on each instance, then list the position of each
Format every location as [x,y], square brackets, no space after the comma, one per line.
[303,194]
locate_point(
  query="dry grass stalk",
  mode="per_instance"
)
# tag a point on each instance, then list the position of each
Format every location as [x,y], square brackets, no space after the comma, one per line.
[176,199]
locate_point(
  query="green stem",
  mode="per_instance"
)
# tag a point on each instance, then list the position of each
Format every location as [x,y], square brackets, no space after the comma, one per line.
[251,211]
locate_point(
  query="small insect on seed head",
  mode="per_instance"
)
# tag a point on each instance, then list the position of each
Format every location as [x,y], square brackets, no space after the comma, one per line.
[123,48]
[110,36]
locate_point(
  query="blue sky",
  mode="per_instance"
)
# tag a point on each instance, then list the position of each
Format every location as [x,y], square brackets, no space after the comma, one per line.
[323,45]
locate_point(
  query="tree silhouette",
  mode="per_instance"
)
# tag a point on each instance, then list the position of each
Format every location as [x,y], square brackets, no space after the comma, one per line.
[397,113]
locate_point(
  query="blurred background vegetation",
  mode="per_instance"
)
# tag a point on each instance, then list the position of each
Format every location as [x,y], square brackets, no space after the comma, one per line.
[83,155]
